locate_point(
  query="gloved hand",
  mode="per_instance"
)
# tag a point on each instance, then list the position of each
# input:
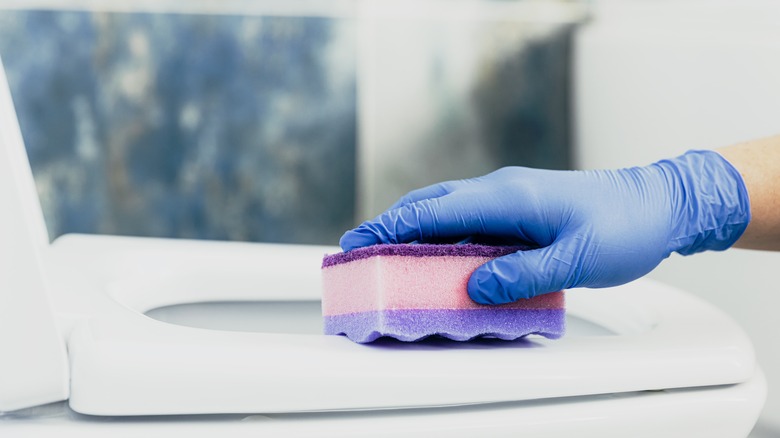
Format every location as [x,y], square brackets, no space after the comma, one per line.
[590,228]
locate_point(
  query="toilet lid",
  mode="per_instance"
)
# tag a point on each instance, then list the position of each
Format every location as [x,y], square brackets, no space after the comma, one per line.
[33,368]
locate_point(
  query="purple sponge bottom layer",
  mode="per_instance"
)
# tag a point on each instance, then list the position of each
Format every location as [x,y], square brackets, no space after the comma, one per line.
[458,325]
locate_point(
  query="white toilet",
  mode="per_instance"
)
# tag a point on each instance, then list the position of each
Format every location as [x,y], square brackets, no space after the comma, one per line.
[81,354]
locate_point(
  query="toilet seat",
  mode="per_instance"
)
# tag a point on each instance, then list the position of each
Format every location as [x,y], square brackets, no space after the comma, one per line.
[125,363]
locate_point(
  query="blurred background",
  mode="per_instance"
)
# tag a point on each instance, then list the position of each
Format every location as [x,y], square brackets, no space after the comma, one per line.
[214,125]
[282,121]
[196,126]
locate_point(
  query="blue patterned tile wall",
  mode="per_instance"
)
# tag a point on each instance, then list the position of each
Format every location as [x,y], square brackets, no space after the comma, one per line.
[245,127]
[193,126]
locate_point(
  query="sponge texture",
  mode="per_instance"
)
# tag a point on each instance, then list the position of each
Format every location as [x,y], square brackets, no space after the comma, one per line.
[412,291]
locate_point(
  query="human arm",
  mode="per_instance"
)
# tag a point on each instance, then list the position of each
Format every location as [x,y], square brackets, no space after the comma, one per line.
[759,164]
[590,228]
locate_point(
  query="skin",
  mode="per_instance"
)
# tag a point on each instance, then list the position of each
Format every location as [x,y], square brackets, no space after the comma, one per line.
[759,164]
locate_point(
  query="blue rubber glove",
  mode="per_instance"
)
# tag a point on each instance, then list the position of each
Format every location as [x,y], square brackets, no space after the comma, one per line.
[591,228]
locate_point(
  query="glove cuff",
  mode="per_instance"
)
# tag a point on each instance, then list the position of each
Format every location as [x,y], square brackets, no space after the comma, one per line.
[710,203]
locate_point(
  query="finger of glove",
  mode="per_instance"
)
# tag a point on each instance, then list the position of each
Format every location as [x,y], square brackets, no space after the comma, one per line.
[524,274]
[429,192]
[425,220]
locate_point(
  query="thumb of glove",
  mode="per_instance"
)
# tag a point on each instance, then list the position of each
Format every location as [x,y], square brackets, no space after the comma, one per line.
[524,274]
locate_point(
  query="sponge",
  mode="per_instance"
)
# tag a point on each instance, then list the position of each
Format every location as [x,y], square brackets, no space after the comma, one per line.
[412,291]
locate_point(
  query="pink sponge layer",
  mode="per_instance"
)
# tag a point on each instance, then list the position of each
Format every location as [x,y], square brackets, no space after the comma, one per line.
[416,290]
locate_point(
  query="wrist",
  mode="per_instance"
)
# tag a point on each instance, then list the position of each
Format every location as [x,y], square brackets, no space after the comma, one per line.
[709,202]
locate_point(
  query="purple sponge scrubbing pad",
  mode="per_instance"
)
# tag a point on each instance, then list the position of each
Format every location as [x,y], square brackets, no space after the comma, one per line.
[412,291]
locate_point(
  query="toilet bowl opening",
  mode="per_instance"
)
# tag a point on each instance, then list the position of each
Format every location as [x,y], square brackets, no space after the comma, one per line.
[293,317]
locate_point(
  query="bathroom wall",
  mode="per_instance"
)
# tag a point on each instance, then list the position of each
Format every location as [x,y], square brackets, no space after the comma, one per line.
[656,79]
[453,91]
[277,121]
[187,125]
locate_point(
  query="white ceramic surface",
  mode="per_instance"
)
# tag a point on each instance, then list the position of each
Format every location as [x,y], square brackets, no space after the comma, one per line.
[716,412]
[33,365]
